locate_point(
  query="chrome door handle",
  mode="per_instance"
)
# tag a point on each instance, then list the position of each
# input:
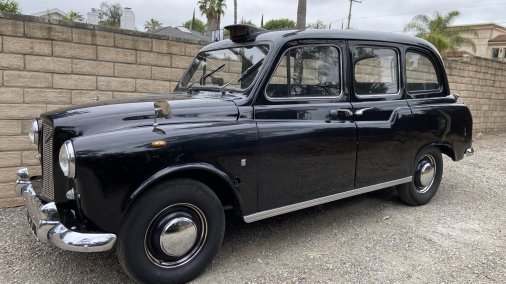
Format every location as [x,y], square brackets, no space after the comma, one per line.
[362,110]
[346,112]
[334,114]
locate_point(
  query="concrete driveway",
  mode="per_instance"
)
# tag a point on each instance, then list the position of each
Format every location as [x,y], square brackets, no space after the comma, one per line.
[459,237]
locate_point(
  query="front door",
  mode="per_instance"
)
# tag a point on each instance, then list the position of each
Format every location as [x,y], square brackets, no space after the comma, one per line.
[382,115]
[306,135]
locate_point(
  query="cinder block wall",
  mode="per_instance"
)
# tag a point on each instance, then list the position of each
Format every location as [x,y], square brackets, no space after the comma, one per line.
[46,64]
[481,84]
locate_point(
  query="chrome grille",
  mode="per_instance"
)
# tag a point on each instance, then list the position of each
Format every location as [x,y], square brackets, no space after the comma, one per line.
[47,162]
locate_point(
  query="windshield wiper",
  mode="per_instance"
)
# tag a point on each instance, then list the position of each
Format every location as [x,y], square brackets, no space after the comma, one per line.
[249,70]
[206,75]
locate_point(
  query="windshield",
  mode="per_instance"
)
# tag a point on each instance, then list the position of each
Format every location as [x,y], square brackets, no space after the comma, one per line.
[231,68]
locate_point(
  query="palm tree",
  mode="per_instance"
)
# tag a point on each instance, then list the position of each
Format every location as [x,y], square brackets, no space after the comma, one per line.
[438,31]
[235,11]
[301,14]
[152,24]
[213,9]
[74,17]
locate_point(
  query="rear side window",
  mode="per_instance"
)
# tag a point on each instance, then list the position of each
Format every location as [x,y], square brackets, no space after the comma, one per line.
[376,71]
[421,74]
[307,72]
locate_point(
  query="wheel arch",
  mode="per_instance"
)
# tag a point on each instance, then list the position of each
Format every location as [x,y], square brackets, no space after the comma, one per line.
[218,181]
[445,148]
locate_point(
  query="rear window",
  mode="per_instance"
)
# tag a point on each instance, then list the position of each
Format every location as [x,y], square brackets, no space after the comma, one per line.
[421,74]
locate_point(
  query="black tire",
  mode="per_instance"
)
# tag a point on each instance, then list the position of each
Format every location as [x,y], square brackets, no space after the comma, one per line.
[415,193]
[139,247]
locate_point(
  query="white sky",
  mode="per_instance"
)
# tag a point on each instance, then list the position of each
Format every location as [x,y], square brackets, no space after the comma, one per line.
[384,15]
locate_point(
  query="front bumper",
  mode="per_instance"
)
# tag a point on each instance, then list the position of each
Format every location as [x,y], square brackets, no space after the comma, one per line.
[45,222]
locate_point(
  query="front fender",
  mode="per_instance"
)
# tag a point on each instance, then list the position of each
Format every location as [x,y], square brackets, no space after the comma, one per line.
[179,169]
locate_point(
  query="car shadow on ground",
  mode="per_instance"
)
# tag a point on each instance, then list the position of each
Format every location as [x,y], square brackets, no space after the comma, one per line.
[242,238]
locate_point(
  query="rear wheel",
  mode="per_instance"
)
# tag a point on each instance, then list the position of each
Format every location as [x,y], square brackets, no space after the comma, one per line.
[171,233]
[427,174]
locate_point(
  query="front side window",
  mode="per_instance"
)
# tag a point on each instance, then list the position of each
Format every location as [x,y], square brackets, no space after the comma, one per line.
[420,73]
[306,72]
[233,68]
[376,71]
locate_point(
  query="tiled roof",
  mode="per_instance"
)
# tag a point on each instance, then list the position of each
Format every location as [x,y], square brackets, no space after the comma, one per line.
[499,38]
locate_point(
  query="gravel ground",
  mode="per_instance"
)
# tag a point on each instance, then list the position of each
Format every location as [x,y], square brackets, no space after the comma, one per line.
[460,236]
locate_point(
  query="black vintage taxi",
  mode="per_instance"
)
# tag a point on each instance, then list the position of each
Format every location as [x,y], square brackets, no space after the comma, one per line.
[264,123]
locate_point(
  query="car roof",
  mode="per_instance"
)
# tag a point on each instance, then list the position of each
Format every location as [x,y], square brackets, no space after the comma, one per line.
[288,35]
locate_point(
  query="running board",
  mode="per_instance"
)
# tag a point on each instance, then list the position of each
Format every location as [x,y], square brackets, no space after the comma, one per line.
[297,206]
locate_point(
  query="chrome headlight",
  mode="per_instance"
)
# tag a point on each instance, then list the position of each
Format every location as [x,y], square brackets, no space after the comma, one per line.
[34,132]
[67,159]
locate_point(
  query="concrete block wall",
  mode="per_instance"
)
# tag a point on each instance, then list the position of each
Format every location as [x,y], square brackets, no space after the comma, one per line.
[481,84]
[46,64]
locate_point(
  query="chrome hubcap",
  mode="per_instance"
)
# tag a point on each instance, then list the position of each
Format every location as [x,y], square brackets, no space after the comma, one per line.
[178,236]
[425,173]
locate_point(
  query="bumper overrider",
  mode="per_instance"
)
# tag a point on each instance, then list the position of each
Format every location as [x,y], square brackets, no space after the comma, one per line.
[45,223]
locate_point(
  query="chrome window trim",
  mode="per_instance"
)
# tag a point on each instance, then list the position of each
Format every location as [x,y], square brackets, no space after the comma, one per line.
[310,98]
[305,204]
[399,85]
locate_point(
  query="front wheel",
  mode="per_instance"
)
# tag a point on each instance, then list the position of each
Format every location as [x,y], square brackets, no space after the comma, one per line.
[171,233]
[427,173]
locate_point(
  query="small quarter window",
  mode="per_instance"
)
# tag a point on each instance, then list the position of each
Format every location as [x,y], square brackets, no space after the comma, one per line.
[376,71]
[306,72]
[420,73]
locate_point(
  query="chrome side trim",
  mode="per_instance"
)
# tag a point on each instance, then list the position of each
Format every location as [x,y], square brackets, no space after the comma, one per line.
[297,206]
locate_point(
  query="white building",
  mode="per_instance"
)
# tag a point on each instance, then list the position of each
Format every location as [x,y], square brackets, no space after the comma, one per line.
[51,14]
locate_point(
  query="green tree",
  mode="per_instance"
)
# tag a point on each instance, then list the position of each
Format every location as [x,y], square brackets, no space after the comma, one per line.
[74,17]
[198,25]
[152,24]
[438,31]
[110,14]
[10,6]
[247,22]
[318,25]
[279,24]
[213,9]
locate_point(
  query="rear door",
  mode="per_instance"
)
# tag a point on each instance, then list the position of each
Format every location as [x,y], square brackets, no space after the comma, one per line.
[307,142]
[382,114]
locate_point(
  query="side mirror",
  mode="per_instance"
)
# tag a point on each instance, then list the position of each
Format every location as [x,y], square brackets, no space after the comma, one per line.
[162,110]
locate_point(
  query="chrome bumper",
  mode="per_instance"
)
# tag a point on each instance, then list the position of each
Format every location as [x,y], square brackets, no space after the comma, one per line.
[45,223]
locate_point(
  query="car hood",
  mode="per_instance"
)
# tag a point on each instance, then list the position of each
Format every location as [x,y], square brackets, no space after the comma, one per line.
[137,112]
